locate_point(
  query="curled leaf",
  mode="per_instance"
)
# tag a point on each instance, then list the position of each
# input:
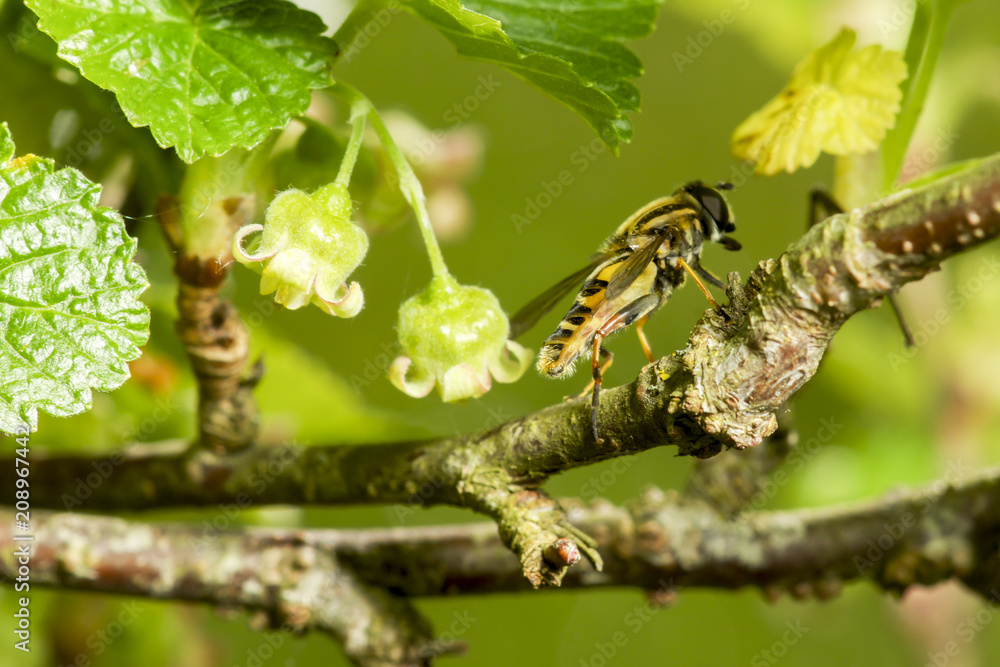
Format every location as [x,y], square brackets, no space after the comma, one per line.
[839,101]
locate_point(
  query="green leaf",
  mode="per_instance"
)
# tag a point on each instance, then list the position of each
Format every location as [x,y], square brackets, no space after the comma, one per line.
[70,317]
[205,76]
[571,50]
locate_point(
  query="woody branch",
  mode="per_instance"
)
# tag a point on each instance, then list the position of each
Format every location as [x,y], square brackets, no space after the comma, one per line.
[721,392]
[284,583]
[661,544]
[198,225]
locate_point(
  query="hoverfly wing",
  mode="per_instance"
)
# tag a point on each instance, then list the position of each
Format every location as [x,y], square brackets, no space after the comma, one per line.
[633,267]
[526,318]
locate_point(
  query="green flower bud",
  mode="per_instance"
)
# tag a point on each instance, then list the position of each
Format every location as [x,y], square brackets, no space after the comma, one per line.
[308,248]
[455,336]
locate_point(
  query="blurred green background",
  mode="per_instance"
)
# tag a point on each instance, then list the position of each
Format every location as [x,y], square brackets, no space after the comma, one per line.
[906,418]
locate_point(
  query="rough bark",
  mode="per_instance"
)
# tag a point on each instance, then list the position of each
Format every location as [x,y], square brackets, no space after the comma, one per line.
[286,584]
[662,543]
[215,339]
[722,391]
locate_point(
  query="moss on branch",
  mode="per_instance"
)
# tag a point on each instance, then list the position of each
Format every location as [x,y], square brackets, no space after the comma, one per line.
[721,392]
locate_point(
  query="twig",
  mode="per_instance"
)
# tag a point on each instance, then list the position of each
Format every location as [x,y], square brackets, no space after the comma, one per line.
[720,392]
[288,584]
[215,339]
[662,543]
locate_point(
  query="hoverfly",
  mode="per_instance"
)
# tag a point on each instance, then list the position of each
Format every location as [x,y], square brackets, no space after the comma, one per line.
[633,275]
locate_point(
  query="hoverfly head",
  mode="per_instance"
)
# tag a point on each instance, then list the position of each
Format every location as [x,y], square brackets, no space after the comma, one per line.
[716,213]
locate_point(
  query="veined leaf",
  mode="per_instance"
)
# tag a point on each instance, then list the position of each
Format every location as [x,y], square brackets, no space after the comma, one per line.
[206,76]
[70,317]
[839,100]
[571,49]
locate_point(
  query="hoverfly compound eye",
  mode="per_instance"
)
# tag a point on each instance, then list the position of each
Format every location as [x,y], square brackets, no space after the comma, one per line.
[726,225]
[719,217]
[716,207]
[711,200]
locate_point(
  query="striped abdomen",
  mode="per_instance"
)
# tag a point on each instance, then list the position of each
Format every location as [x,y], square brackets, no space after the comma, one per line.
[575,334]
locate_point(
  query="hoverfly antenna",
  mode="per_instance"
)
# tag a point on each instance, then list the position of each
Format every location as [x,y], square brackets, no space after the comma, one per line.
[724,185]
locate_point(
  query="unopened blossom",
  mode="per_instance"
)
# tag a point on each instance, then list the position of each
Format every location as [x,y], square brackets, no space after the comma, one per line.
[308,248]
[454,337]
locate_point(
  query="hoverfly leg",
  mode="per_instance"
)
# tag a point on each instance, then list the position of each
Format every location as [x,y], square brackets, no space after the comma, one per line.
[822,205]
[701,285]
[642,339]
[903,326]
[624,317]
[708,276]
[598,373]
[820,202]
[608,359]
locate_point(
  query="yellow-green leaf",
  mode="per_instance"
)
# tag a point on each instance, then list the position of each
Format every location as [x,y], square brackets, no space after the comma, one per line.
[839,100]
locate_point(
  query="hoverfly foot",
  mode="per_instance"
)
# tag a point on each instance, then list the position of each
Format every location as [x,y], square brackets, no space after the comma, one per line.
[725,315]
[600,441]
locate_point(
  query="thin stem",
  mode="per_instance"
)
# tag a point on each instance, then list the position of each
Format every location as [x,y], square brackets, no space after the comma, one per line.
[358,112]
[917,37]
[930,22]
[409,184]
[205,223]
[362,14]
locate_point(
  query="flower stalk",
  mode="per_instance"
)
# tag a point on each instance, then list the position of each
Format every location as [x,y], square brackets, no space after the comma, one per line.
[409,184]
[930,22]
